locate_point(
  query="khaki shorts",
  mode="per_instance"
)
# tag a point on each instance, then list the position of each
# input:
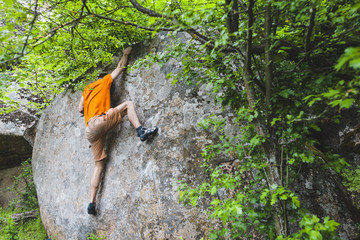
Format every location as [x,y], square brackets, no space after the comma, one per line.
[98,127]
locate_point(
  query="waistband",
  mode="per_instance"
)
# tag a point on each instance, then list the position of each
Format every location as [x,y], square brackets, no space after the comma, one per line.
[97,116]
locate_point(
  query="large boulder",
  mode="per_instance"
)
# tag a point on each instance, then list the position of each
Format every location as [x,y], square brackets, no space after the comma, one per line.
[137,198]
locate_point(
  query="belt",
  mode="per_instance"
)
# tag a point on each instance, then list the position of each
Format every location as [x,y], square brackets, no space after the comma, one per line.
[101,115]
[104,116]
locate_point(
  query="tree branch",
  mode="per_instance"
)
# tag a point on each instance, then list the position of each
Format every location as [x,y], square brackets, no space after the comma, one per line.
[250,94]
[27,37]
[130,24]
[52,32]
[61,26]
[24,216]
[309,33]
[195,34]
[31,27]
[145,10]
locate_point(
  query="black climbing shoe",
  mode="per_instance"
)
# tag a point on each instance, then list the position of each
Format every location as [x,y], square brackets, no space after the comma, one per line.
[148,132]
[91,209]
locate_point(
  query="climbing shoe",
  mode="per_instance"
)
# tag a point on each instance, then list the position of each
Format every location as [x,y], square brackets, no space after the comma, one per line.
[147,132]
[91,209]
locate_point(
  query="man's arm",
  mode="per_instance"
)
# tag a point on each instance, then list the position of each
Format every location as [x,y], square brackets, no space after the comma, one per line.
[81,106]
[122,63]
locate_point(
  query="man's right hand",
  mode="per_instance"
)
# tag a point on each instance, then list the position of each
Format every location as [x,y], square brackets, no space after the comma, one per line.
[127,51]
[122,63]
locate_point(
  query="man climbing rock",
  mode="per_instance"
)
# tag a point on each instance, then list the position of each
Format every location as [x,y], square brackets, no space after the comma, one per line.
[100,118]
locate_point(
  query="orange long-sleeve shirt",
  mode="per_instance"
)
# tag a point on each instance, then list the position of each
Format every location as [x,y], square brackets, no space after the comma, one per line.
[97,97]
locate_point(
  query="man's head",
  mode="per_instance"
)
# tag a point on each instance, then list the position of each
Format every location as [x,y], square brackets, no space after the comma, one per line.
[101,75]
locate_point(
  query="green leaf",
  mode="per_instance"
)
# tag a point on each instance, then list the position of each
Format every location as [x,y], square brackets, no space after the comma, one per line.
[10,3]
[295,201]
[176,12]
[193,202]
[238,210]
[315,235]
[284,197]
[215,201]
[343,103]
[351,54]
[331,93]
[213,190]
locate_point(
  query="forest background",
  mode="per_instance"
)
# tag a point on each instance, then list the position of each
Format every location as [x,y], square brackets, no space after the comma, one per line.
[285,67]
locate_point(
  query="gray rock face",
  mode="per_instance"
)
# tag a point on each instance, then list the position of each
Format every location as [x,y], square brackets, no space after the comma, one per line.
[137,198]
[322,193]
[15,144]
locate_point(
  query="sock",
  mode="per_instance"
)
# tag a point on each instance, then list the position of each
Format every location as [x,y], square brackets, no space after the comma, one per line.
[139,130]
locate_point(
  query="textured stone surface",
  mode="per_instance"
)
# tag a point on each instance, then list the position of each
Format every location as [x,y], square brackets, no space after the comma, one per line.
[342,138]
[14,146]
[321,190]
[322,193]
[137,197]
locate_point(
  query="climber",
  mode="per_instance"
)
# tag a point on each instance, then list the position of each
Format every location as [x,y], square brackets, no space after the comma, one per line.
[100,119]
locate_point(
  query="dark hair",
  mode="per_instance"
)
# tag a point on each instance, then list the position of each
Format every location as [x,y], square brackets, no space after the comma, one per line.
[101,75]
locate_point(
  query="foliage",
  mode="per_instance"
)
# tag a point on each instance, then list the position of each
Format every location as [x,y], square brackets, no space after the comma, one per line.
[351,181]
[276,123]
[29,230]
[25,188]
[34,85]
[284,67]
[313,229]
[26,201]
[92,236]
[8,228]
[247,203]
[33,230]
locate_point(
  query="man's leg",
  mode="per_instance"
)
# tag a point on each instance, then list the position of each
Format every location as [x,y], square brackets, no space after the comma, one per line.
[94,184]
[128,108]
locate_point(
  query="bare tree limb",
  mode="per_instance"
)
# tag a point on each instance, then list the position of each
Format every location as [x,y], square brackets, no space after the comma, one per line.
[52,32]
[195,34]
[130,23]
[31,27]
[75,21]
[17,217]
[309,33]
[145,10]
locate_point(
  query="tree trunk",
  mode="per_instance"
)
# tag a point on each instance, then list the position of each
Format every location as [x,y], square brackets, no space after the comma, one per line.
[268,55]
[232,21]
[262,127]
